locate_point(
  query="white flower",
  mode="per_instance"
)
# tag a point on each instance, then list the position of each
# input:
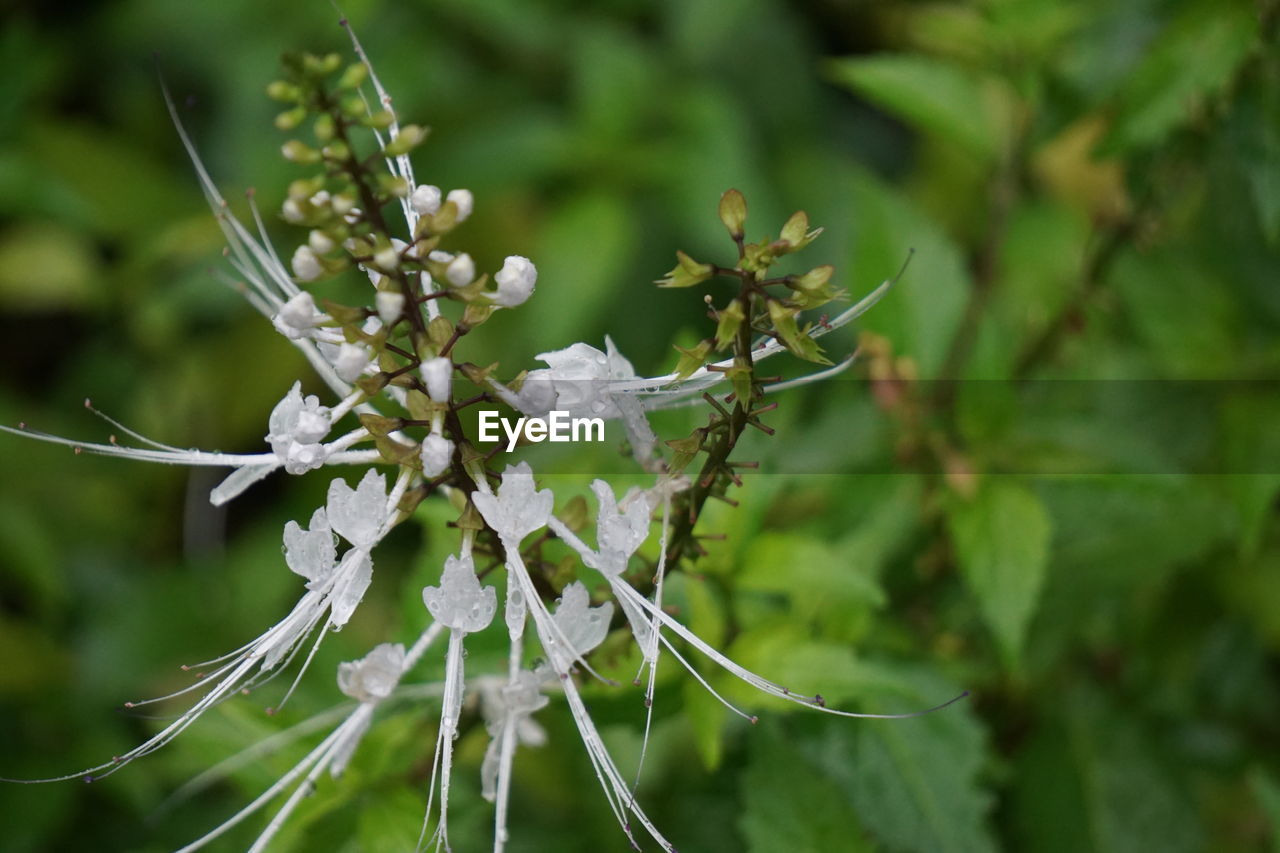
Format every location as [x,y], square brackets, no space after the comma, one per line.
[519,508]
[425,200]
[350,361]
[463,200]
[310,553]
[577,377]
[373,677]
[355,574]
[297,317]
[460,602]
[461,270]
[515,281]
[619,534]
[357,514]
[582,626]
[437,375]
[436,453]
[306,266]
[296,427]
[390,306]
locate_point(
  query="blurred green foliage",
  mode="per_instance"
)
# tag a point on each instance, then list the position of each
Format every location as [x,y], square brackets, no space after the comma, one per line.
[1093,193]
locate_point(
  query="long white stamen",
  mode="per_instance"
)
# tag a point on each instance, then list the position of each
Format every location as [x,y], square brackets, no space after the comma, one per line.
[317,760]
[650,656]
[562,657]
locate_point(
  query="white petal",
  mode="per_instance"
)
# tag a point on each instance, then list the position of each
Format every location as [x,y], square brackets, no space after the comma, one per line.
[357,515]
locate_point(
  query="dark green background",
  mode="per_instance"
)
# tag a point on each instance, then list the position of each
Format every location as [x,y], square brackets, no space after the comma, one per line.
[1093,193]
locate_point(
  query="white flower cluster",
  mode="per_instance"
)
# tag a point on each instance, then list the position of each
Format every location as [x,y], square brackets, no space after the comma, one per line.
[579,378]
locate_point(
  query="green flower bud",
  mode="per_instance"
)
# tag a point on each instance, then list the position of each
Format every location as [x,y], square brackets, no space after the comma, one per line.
[337,150]
[297,151]
[409,137]
[289,119]
[796,232]
[814,279]
[380,425]
[740,378]
[733,212]
[393,185]
[475,314]
[354,107]
[353,77]
[795,339]
[686,273]
[283,91]
[730,321]
[321,66]
[685,449]
[692,359]
[323,127]
[380,120]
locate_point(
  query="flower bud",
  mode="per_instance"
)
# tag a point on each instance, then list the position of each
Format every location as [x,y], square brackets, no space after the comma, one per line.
[292,212]
[461,270]
[515,280]
[306,266]
[425,200]
[409,137]
[344,204]
[387,258]
[296,316]
[390,306]
[437,373]
[353,77]
[320,242]
[733,212]
[436,453]
[297,151]
[351,361]
[463,201]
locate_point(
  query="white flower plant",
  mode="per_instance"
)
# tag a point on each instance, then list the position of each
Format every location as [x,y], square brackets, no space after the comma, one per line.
[401,352]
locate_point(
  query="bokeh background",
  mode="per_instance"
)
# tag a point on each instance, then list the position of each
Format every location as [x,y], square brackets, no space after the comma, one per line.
[1050,480]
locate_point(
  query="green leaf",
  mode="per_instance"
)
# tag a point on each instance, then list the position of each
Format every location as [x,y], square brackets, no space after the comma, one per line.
[914,783]
[1094,780]
[390,821]
[789,805]
[707,715]
[1192,59]
[1255,140]
[1267,791]
[936,96]
[919,315]
[46,268]
[1190,323]
[1002,543]
[824,586]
